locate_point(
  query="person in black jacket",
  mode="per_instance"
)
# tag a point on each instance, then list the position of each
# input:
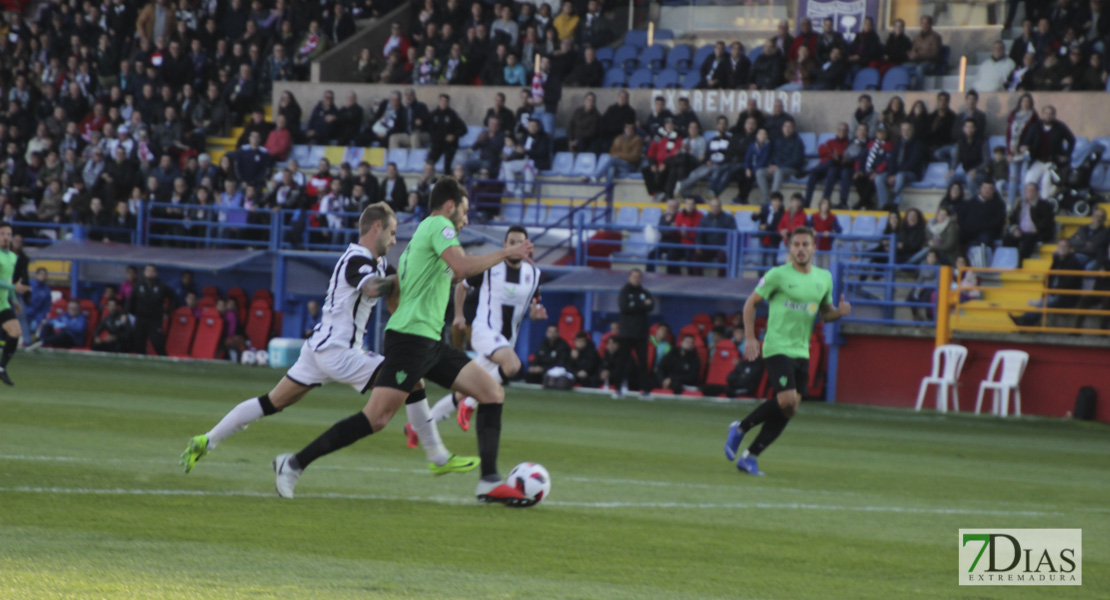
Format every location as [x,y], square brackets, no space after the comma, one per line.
[715,69]
[117,327]
[1048,143]
[445,127]
[635,303]
[148,302]
[681,367]
[553,352]
[584,361]
[1062,260]
[768,69]
[984,218]
[739,68]
[907,160]
[1032,220]
[393,190]
[530,155]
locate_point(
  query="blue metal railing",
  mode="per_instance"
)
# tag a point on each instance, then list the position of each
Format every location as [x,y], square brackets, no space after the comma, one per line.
[876,293]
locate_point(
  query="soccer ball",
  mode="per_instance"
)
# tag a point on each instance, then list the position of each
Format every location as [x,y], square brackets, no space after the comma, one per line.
[248,357]
[532,480]
[261,358]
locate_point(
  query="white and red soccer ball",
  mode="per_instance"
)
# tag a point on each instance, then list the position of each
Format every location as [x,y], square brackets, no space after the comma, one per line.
[531,480]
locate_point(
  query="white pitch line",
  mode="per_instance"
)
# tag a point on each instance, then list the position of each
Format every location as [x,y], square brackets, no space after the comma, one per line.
[598,505]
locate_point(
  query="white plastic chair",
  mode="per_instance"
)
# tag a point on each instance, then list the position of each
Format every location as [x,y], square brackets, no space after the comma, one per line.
[1013,364]
[952,356]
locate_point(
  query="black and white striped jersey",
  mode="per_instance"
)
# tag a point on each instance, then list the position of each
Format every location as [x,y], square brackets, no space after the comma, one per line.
[505,297]
[346,312]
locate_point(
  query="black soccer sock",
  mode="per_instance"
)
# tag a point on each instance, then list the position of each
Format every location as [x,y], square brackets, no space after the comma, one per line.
[342,434]
[268,407]
[771,430]
[10,346]
[762,413]
[504,378]
[416,396]
[489,437]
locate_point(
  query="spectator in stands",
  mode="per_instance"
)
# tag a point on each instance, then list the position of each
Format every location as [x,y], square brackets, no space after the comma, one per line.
[625,155]
[893,116]
[583,361]
[1048,77]
[656,119]
[833,72]
[1048,144]
[1090,77]
[669,236]
[774,121]
[124,221]
[904,166]
[911,238]
[942,236]
[1032,221]
[552,352]
[824,225]
[866,49]
[788,157]
[566,22]
[994,71]
[232,340]
[925,54]
[938,137]
[609,365]
[782,38]
[715,156]
[1062,260]
[393,190]
[757,159]
[1020,121]
[983,221]
[865,114]
[585,125]
[349,120]
[552,84]
[661,339]
[67,330]
[680,368]
[829,39]
[114,332]
[687,221]
[685,116]
[635,303]
[793,218]
[514,73]
[323,122]
[666,145]
[896,50]
[927,278]
[768,219]
[488,147]
[801,71]
[972,156]
[732,167]
[769,68]
[1022,77]
[692,152]
[1090,241]
[712,237]
[531,155]
[445,128]
[279,142]
[587,73]
[252,163]
[428,69]
[806,38]
[739,68]
[593,29]
[613,121]
[715,69]
[257,123]
[186,285]
[835,166]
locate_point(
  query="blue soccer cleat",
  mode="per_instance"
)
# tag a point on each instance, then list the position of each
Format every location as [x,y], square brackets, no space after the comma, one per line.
[748,465]
[732,442]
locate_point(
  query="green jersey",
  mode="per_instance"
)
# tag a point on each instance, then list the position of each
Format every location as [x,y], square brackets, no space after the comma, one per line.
[425,280]
[7,271]
[795,299]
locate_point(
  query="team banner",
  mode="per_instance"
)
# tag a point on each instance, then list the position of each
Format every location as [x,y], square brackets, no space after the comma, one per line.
[847,15]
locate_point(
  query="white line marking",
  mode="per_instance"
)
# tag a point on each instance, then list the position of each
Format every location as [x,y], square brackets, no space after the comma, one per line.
[599,505]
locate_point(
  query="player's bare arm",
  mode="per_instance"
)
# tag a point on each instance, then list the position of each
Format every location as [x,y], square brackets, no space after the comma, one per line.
[379,287]
[829,312]
[537,312]
[460,298]
[751,343]
[468,266]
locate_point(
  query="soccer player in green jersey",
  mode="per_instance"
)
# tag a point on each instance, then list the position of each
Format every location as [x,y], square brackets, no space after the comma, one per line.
[10,331]
[414,348]
[796,293]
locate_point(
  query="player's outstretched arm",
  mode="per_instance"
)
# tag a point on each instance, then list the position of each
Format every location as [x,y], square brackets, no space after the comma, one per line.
[379,287]
[468,266]
[460,299]
[751,342]
[831,313]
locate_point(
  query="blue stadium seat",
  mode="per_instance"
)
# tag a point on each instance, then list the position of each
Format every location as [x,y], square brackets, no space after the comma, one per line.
[936,175]
[1105,143]
[650,215]
[667,79]
[512,212]
[1100,178]
[996,141]
[352,155]
[845,221]
[636,38]
[945,56]
[635,247]
[605,56]
[1005,258]
[397,156]
[663,35]
[472,133]
[315,153]
[584,164]
[653,57]
[557,215]
[627,58]
[628,216]
[896,79]
[563,164]
[642,79]
[866,79]
[548,121]
[1079,151]
[700,56]
[691,79]
[755,53]
[864,225]
[809,140]
[679,58]
[416,160]
[300,154]
[603,161]
[533,212]
[744,221]
[614,78]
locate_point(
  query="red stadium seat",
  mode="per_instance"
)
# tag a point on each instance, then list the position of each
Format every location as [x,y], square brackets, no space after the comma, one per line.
[57,308]
[570,323]
[704,323]
[183,324]
[259,322]
[92,318]
[210,329]
[279,318]
[693,331]
[263,294]
[210,291]
[239,295]
[651,356]
[604,340]
[720,364]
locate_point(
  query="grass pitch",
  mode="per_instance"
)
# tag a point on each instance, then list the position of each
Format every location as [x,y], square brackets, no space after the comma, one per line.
[858,502]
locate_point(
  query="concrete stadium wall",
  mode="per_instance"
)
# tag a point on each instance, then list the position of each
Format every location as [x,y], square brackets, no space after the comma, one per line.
[814,111]
[868,375]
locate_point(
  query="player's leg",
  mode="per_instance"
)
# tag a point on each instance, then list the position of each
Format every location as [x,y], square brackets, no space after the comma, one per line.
[502,365]
[12,332]
[780,375]
[792,378]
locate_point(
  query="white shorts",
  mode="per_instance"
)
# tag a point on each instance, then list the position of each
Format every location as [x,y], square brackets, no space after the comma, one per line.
[344,365]
[485,342]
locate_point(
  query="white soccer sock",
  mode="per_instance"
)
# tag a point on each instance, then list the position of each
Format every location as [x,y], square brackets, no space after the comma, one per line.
[420,417]
[245,413]
[443,408]
[471,402]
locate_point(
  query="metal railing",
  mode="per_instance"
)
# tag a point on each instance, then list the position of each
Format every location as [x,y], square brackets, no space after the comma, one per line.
[877,293]
[37,233]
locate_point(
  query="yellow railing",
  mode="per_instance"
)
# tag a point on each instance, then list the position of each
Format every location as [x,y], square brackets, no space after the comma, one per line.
[952,315]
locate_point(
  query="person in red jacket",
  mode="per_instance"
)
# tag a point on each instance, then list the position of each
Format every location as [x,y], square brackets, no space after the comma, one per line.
[835,166]
[871,166]
[688,220]
[807,37]
[667,144]
[824,224]
[793,218]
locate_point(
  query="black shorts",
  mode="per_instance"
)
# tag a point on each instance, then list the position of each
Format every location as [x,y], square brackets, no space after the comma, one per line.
[786,373]
[8,314]
[409,357]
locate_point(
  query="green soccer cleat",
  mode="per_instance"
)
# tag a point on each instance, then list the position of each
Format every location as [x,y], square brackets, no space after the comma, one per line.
[197,448]
[455,464]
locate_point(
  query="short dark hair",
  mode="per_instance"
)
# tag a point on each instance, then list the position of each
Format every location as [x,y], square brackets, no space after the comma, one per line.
[447,188]
[582,335]
[944,95]
[7,225]
[803,230]
[972,93]
[516,229]
[776,196]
